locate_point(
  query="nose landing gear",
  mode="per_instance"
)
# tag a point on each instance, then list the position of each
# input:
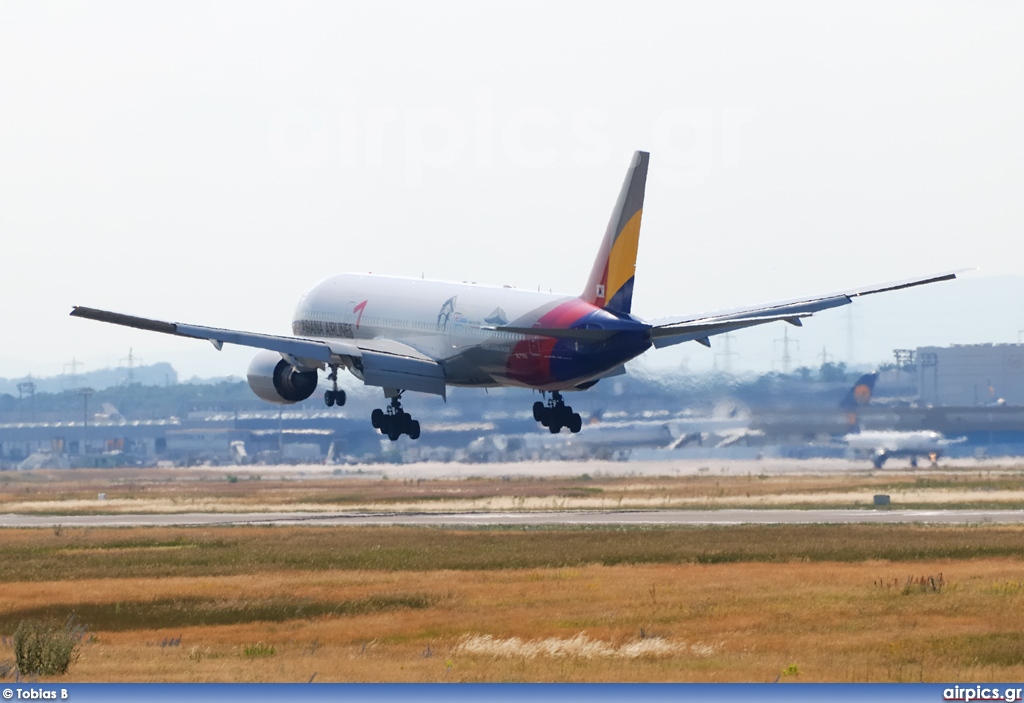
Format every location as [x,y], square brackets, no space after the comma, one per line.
[556,415]
[395,422]
[334,396]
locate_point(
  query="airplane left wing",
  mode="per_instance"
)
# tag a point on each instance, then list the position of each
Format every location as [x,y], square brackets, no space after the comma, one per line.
[699,328]
[378,362]
[312,353]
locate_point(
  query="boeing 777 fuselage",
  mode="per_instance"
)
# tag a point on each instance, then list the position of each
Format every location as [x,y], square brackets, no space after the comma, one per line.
[466,326]
[416,335]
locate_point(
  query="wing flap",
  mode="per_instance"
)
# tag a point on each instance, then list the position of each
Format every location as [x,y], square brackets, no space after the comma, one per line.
[402,372]
[390,347]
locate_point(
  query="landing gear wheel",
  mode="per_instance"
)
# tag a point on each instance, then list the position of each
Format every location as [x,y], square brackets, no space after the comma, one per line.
[556,414]
[395,422]
[334,396]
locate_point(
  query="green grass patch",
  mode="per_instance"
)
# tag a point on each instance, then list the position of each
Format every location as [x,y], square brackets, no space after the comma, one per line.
[44,647]
[143,543]
[40,555]
[258,650]
[993,649]
[189,612]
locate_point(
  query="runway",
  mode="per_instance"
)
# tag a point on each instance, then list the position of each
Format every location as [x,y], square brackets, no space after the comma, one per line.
[513,519]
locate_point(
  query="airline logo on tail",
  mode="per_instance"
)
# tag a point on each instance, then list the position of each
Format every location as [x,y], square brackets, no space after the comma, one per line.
[858,396]
[610,285]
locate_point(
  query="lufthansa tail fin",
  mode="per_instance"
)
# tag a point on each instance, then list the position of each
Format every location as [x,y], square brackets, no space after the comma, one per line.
[610,285]
[860,395]
[856,398]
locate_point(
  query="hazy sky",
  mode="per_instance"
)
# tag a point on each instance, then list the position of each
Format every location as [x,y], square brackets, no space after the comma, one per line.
[207,162]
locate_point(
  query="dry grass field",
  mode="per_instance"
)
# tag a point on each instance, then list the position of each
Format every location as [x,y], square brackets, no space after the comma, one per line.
[740,603]
[806,603]
[319,490]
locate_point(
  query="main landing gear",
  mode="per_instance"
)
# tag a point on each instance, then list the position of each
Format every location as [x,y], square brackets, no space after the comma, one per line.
[395,422]
[556,415]
[334,396]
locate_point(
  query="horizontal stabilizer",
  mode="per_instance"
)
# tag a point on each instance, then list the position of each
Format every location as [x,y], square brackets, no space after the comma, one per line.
[617,371]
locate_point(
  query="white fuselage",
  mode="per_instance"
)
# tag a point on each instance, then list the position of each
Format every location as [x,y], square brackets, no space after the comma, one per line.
[892,442]
[450,322]
[413,311]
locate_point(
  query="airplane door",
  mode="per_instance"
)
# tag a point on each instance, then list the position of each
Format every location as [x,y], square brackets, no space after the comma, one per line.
[456,330]
[534,346]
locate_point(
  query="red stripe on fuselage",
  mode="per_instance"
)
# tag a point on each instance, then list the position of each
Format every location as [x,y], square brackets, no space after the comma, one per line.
[530,360]
[566,314]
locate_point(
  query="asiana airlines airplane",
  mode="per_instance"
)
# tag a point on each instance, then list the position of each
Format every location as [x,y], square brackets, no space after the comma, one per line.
[422,336]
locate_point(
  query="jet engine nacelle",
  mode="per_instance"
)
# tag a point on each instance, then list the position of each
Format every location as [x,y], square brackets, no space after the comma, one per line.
[276,381]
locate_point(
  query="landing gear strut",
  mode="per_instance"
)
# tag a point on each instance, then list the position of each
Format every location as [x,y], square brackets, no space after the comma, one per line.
[334,396]
[395,422]
[556,415]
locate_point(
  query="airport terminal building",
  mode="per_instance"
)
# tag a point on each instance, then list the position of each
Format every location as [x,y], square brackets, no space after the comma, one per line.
[971,375]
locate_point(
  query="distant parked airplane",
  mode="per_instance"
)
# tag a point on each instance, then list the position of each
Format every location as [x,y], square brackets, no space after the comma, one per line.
[882,445]
[418,335]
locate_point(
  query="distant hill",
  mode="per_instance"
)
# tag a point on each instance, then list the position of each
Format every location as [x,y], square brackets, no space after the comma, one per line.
[159,374]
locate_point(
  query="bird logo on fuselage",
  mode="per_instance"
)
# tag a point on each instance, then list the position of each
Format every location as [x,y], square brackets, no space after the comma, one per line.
[444,315]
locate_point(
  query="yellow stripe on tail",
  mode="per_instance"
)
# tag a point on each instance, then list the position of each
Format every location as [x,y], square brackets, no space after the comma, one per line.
[610,285]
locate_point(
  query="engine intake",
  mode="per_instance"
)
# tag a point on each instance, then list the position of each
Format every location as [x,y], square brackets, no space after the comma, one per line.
[276,381]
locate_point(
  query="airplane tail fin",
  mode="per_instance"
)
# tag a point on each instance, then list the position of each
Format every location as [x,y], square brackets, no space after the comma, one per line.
[860,395]
[610,285]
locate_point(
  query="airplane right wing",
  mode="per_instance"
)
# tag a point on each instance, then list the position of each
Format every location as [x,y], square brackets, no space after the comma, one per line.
[698,328]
